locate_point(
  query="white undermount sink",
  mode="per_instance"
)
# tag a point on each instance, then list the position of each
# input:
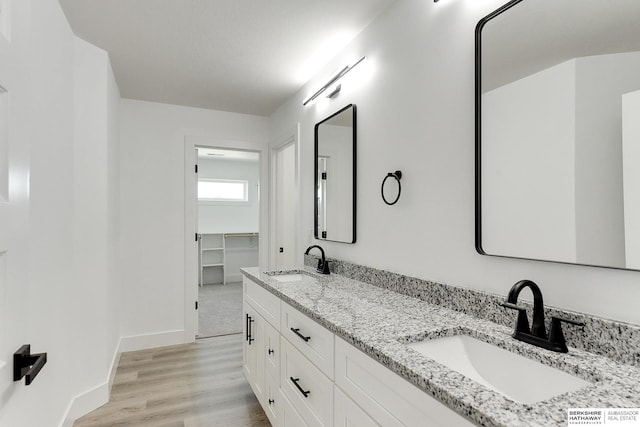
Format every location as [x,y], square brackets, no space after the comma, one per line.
[292,276]
[516,377]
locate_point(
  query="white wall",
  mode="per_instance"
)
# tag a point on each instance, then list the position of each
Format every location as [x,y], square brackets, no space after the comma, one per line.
[58,263]
[221,217]
[152,209]
[631,174]
[415,98]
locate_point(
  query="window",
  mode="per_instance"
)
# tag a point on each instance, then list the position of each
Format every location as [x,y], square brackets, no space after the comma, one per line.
[218,190]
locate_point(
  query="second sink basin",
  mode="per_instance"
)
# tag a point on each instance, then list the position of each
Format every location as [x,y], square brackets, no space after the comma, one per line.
[292,276]
[516,377]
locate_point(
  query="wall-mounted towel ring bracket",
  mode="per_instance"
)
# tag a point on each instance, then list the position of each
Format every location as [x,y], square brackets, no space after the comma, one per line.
[397,175]
[26,364]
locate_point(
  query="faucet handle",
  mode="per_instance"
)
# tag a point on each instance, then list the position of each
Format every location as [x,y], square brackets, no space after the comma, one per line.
[557,320]
[556,337]
[522,322]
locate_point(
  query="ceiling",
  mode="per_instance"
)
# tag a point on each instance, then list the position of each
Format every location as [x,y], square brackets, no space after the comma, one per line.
[245,56]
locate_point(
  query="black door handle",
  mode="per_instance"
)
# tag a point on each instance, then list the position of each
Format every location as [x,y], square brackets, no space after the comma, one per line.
[26,364]
[248,328]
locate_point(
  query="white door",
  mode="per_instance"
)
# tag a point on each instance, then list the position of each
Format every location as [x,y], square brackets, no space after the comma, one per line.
[285,199]
[15,326]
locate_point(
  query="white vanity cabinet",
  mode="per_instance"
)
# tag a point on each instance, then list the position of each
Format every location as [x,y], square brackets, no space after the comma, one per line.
[348,414]
[305,376]
[385,396]
[261,349]
[253,349]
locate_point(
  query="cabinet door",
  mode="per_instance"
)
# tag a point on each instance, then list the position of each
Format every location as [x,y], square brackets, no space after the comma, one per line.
[289,417]
[348,414]
[272,350]
[253,354]
[272,398]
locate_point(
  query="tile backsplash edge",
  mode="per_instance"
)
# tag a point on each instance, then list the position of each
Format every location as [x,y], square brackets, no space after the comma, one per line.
[616,340]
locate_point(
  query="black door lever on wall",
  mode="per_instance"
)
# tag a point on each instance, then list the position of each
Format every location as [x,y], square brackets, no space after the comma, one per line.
[26,364]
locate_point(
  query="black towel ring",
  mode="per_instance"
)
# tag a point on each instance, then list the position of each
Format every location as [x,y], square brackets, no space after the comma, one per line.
[397,175]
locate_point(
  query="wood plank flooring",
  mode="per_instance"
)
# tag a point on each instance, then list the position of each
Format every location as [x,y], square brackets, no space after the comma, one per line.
[191,385]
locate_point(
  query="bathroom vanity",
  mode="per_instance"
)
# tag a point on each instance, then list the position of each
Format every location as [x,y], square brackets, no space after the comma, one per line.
[303,374]
[328,350]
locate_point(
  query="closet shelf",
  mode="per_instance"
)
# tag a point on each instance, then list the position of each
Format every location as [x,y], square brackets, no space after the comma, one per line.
[214,248]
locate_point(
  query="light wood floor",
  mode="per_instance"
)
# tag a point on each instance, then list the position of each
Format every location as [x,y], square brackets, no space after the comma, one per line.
[191,385]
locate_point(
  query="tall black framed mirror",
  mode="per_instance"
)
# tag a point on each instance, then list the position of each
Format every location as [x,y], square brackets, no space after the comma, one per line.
[558,132]
[335,176]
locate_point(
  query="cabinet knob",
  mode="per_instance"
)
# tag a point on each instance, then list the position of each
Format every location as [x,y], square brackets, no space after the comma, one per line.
[271,401]
[271,351]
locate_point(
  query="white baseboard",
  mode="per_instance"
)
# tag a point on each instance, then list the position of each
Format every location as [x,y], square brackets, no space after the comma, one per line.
[93,398]
[231,278]
[86,402]
[114,365]
[99,395]
[160,339]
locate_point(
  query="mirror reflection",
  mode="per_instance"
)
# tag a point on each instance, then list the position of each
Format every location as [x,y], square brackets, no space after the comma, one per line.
[558,132]
[335,179]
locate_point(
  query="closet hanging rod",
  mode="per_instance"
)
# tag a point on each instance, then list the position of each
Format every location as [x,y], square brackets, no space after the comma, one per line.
[240,234]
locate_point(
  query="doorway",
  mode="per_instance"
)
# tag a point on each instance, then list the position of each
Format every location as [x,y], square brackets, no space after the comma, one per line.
[222,201]
[285,207]
[228,219]
[285,247]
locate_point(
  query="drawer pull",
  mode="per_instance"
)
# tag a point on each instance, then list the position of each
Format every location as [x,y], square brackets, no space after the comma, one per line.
[297,332]
[295,382]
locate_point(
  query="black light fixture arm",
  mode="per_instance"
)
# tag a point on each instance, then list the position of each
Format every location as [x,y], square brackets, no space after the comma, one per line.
[332,80]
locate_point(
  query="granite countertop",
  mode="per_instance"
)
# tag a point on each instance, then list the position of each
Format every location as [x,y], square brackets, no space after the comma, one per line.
[380,322]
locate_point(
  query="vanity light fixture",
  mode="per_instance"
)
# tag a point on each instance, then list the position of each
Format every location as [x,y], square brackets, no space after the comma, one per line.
[331,81]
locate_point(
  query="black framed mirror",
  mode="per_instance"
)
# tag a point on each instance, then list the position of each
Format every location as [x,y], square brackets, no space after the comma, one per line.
[335,176]
[558,132]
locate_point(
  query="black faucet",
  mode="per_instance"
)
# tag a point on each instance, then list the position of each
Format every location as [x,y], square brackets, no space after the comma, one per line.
[323,264]
[537,335]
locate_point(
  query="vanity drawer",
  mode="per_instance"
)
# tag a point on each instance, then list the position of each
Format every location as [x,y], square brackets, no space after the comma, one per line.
[272,350]
[385,396]
[263,301]
[307,388]
[312,339]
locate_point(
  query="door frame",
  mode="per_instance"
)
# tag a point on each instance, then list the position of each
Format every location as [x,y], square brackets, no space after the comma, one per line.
[190,217]
[290,137]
